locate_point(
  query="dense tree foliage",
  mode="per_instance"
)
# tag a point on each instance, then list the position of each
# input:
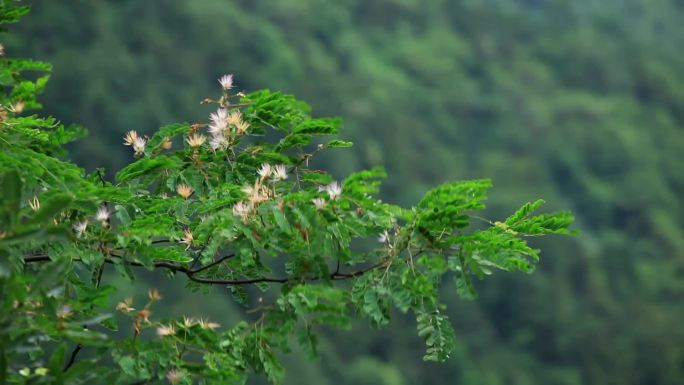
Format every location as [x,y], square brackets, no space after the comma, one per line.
[231,201]
[578,101]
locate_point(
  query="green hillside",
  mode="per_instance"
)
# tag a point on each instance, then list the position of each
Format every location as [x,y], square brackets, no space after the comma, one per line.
[581,102]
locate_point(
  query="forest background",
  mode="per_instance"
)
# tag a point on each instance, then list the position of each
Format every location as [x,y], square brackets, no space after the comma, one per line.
[581,102]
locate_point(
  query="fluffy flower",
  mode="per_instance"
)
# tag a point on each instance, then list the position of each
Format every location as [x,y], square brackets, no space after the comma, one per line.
[280,172]
[384,237]
[206,324]
[234,118]
[139,145]
[219,121]
[102,214]
[130,138]
[196,140]
[218,142]
[334,190]
[241,127]
[166,330]
[175,376]
[320,203]
[80,228]
[264,171]
[184,190]
[188,322]
[187,238]
[226,81]
[242,210]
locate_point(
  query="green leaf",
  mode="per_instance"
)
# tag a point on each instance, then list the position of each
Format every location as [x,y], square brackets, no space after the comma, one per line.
[11,196]
[339,144]
[146,166]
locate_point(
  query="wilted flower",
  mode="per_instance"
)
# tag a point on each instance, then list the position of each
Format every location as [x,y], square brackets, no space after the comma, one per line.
[384,237]
[144,315]
[125,306]
[242,209]
[248,189]
[241,127]
[80,228]
[34,203]
[184,190]
[234,117]
[334,190]
[196,140]
[320,203]
[154,295]
[187,238]
[166,144]
[139,145]
[165,330]
[130,138]
[226,81]
[264,171]
[18,107]
[102,214]
[256,193]
[175,376]
[280,172]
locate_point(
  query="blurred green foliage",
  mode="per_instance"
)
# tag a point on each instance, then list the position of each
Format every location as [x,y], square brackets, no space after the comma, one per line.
[581,100]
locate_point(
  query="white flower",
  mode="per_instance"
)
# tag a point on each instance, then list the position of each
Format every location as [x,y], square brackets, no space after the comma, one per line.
[130,138]
[320,203]
[175,376]
[226,81]
[219,121]
[102,214]
[164,330]
[206,324]
[80,228]
[334,190]
[196,140]
[384,237]
[184,190]
[139,145]
[242,209]
[280,172]
[219,142]
[264,171]
[188,322]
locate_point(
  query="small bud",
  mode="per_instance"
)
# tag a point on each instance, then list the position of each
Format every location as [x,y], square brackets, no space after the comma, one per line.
[153,295]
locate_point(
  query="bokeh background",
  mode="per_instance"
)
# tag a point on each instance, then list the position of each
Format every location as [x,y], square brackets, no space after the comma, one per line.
[577,101]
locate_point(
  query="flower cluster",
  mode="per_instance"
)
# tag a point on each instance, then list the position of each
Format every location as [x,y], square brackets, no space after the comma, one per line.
[136,141]
[259,192]
[225,124]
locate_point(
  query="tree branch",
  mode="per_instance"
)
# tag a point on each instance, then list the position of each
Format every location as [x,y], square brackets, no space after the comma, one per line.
[190,273]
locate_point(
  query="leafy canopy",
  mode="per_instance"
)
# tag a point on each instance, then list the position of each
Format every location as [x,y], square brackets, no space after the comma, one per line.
[231,202]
